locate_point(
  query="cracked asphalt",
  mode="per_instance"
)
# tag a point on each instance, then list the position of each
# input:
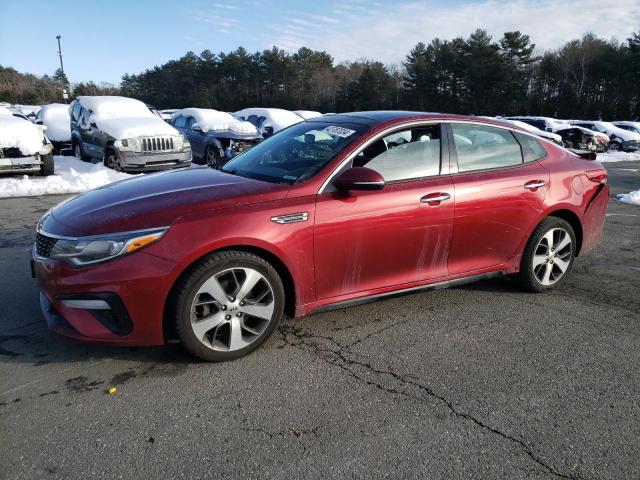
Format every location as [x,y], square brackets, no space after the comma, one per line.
[481,381]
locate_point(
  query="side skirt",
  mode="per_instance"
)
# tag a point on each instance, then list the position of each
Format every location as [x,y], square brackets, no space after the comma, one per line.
[397,293]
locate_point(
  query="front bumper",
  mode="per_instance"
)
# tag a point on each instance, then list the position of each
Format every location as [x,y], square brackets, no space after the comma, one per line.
[118,302]
[138,161]
[20,164]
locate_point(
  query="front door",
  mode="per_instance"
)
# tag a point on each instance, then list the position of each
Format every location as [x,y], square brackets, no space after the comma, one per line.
[366,240]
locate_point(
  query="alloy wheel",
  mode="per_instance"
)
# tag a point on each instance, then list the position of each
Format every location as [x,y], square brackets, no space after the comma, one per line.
[232,309]
[552,256]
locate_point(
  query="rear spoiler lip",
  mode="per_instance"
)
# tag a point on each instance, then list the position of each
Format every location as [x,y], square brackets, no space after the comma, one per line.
[584,154]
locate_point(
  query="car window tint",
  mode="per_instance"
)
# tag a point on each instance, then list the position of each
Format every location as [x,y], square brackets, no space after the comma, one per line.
[190,122]
[532,149]
[413,153]
[180,122]
[76,111]
[481,148]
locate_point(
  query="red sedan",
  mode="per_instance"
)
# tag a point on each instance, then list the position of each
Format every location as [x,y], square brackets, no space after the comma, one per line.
[333,211]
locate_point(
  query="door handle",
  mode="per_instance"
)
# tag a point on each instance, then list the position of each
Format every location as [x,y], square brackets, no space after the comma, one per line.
[533,185]
[434,199]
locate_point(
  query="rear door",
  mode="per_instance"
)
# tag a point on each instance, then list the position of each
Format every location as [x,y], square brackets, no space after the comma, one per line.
[366,240]
[498,196]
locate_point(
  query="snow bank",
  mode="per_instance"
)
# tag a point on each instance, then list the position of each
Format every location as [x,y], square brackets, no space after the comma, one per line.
[306,114]
[631,197]
[19,133]
[71,176]
[123,117]
[610,157]
[274,117]
[56,119]
[215,121]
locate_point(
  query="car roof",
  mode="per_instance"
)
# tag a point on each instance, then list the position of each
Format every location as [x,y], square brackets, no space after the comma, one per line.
[378,117]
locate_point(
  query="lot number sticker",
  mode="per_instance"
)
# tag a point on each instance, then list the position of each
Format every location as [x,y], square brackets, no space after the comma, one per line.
[339,131]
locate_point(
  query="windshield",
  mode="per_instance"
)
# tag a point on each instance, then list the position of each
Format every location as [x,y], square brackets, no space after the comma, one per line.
[296,153]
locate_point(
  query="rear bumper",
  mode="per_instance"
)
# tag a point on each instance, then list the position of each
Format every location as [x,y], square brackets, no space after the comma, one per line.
[136,162]
[20,164]
[118,302]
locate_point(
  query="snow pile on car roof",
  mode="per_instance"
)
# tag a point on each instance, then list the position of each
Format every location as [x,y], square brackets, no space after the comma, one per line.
[21,134]
[71,176]
[5,111]
[211,120]
[274,117]
[56,118]
[123,117]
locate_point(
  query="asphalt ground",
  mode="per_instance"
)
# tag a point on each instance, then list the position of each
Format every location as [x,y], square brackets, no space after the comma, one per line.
[480,381]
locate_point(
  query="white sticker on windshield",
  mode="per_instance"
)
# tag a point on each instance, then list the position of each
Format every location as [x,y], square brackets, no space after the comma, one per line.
[339,131]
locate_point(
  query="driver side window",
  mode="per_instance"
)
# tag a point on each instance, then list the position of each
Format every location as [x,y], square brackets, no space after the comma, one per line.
[180,122]
[190,122]
[405,155]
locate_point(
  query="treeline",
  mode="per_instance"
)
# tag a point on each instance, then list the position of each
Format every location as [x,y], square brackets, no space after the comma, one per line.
[28,89]
[586,78]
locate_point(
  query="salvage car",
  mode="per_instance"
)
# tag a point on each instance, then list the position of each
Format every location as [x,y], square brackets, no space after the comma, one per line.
[56,118]
[215,137]
[546,124]
[268,120]
[23,146]
[125,135]
[554,137]
[580,138]
[631,126]
[331,212]
[619,139]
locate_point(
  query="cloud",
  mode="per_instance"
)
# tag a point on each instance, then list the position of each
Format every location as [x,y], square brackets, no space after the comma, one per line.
[388,32]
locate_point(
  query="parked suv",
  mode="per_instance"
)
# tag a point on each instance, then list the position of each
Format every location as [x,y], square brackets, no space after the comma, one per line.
[215,137]
[125,135]
[23,146]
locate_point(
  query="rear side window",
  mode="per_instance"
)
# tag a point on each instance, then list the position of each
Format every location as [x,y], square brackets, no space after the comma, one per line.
[482,148]
[404,155]
[532,149]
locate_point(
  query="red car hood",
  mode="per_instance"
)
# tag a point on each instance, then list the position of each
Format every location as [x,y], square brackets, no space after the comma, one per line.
[156,200]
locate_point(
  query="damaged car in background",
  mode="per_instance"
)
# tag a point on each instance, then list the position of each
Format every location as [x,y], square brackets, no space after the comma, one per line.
[215,137]
[125,135]
[579,138]
[23,146]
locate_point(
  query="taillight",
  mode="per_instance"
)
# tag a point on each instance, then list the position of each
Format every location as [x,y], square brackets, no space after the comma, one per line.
[597,176]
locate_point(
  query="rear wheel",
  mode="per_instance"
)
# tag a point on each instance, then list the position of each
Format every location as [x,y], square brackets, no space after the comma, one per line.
[46,167]
[228,305]
[615,146]
[548,256]
[78,151]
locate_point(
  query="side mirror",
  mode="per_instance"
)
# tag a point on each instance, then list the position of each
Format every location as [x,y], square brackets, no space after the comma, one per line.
[196,128]
[359,178]
[268,130]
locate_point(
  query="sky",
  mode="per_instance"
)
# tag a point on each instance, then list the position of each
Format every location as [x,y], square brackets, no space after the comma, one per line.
[102,40]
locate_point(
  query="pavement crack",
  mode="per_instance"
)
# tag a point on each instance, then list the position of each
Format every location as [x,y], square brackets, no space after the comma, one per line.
[338,356]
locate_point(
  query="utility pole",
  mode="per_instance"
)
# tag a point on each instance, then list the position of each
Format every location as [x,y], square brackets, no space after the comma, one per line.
[65,94]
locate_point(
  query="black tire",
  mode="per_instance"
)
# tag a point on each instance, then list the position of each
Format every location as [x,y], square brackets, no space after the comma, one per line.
[615,147]
[111,160]
[78,151]
[526,278]
[47,167]
[186,288]
[212,157]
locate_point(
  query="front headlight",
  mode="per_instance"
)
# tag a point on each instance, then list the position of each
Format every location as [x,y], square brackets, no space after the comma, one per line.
[83,251]
[132,144]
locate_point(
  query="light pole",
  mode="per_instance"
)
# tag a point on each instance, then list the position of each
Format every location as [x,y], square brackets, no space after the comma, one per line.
[65,95]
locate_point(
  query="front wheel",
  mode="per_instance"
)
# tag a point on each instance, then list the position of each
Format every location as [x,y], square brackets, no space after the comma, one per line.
[112,161]
[47,166]
[227,305]
[548,255]
[213,158]
[615,147]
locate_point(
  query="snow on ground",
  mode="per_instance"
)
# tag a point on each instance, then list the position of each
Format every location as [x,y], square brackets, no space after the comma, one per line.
[71,176]
[631,197]
[618,157]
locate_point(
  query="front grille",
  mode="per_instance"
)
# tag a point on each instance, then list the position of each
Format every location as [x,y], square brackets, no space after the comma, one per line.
[44,245]
[158,144]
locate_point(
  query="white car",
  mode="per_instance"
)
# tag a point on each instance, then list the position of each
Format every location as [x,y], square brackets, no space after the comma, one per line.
[56,118]
[23,146]
[631,126]
[620,139]
[546,124]
[268,120]
[553,137]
